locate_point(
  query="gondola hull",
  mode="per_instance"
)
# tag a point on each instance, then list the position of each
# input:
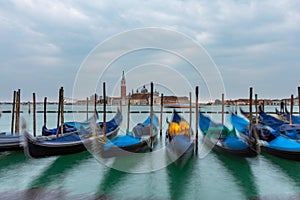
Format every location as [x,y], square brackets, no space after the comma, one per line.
[290,155]
[10,142]
[180,154]
[127,150]
[69,143]
[274,144]
[179,145]
[36,149]
[247,152]
[135,142]
[224,140]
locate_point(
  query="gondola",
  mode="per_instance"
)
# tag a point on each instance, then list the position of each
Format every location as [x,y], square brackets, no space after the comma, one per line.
[10,142]
[295,119]
[226,141]
[179,145]
[68,127]
[246,114]
[270,141]
[283,127]
[68,143]
[138,140]
[280,115]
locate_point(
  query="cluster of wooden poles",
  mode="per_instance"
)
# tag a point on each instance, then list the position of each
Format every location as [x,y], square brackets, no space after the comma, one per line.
[256,108]
[15,121]
[256,105]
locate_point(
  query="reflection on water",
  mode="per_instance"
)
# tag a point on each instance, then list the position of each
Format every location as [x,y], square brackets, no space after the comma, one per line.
[55,171]
[240,169]
[113,177]
[179,178]
[10,159]
[290,168]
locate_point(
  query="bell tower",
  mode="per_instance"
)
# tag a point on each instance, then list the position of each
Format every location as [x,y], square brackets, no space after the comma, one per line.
[123,87]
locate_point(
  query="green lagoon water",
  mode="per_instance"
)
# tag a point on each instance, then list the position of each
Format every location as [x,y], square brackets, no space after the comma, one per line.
[81,176]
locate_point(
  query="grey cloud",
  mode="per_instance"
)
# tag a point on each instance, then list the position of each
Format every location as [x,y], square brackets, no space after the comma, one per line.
[245,38]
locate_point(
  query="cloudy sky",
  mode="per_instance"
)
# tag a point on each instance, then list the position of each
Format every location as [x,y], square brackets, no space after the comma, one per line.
[45,45]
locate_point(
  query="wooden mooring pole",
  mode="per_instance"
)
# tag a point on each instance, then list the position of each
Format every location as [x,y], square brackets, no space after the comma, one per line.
[197,119]
[151,115]
[87,108]
[62,118]
[292,105]
[256,109]
[191,112]
[45,112]
[13,112]
[250,111]
[128,116]
[34,114]
[299,101]
[161,113]
[104,110]
[223,108]
[58,112]
[95,106]
[18,99]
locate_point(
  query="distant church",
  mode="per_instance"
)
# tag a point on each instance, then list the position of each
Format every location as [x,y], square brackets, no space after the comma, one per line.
[137,98]
[142,97]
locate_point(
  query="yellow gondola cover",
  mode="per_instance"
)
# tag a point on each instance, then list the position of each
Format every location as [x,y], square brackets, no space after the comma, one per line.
[184,128]
[179,129]
[173,129]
